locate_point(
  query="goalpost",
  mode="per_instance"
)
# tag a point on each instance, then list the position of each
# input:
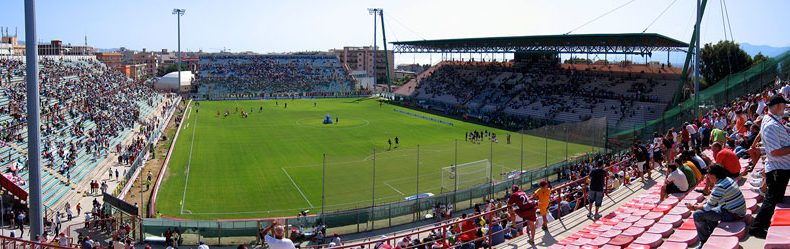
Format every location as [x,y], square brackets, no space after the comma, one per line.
[466,175]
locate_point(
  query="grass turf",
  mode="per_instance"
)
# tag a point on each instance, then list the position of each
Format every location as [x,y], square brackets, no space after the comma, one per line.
[270,164]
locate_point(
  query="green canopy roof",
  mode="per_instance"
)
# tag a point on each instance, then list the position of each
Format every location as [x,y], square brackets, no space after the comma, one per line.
[629,43]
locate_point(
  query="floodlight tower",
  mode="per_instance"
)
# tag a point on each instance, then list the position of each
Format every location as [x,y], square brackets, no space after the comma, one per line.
[179,13]
[380,13]
[375,13]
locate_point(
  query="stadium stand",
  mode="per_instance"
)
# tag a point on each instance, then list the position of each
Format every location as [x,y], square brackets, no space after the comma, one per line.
[103,112]
[636,218]
[267,74]
[564,93]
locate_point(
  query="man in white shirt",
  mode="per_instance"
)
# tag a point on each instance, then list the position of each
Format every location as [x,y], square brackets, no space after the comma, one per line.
[675,182]
[278,241]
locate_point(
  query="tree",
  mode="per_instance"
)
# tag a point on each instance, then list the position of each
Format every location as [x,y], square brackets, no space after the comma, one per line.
[169,69]
[577,60]
[722,59]
[759,57]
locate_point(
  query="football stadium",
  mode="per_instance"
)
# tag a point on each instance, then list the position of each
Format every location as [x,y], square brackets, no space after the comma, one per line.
[439,132]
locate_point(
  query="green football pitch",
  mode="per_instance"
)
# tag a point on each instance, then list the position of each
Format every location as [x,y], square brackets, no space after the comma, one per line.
[272,163]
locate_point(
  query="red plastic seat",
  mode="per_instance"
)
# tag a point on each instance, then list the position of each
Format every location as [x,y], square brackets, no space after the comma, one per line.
[576,235]
[680,210]
[661,229]
[622,216]
[592,234]
[650,239]
[603,228]
[640,212]
[663,208]
[653,216]
[566,241]
[778,237]
[580,242]
[752,195]
[612,233]
[719,242]
[694,196]
[556,246]
[673,245]
[621,241]
[670,201]
[781,217]
[671,219]
[644,223]
[622,225]
[751,204]
[730,229]
[634,231]
[607,246]
[632,219]
[638,246]
[629,210]
[647,206]
[688,224]
[600,241]
[653,200]
[612,222]
[689,237]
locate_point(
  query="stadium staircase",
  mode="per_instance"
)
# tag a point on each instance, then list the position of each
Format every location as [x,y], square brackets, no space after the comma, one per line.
[56,186]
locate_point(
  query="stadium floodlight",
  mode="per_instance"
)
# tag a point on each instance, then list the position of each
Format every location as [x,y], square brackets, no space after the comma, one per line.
[179,13]
[375,13]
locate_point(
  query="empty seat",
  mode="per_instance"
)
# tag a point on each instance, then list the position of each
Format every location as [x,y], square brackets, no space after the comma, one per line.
[662,229]
[781,217]
[640,212]
[622,225]
[645,223]
[729,229]
[632,219]
[689,237]
[653,216]
[670,201]
[718,242]
[600,241]
[611,233]
[621,240]
[751,204]
[672,219]
[647,206]
[673,245]
[649,239]
[680,210]
[603,228]
[566,241]
[663,208]
[633,231]
[778,237]
[580,242]
[612,222]
[592,234]
[688,224]
[638,246]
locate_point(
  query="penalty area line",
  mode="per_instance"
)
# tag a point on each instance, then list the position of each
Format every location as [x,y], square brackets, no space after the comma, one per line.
[297,187]
[393,188]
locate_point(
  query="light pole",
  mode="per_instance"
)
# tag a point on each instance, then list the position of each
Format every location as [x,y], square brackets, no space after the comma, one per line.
[33,125]
[375,13]
[179,13]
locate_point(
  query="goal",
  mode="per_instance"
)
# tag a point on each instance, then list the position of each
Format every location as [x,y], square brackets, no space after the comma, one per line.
[466,175]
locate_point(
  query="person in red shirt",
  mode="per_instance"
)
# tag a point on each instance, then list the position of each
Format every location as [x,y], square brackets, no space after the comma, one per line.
[727,158]
[521,205]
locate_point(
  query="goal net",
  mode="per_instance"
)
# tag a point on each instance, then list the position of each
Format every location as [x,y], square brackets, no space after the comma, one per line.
[466,175]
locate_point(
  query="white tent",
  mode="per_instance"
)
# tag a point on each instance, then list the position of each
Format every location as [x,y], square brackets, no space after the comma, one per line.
[170,81]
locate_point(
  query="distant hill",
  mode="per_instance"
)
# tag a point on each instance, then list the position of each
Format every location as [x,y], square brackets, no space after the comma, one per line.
[766,50]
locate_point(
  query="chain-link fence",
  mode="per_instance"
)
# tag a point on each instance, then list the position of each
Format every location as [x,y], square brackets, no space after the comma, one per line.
[749,81]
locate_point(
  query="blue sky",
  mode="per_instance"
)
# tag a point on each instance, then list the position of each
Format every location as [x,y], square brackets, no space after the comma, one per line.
[298,25]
